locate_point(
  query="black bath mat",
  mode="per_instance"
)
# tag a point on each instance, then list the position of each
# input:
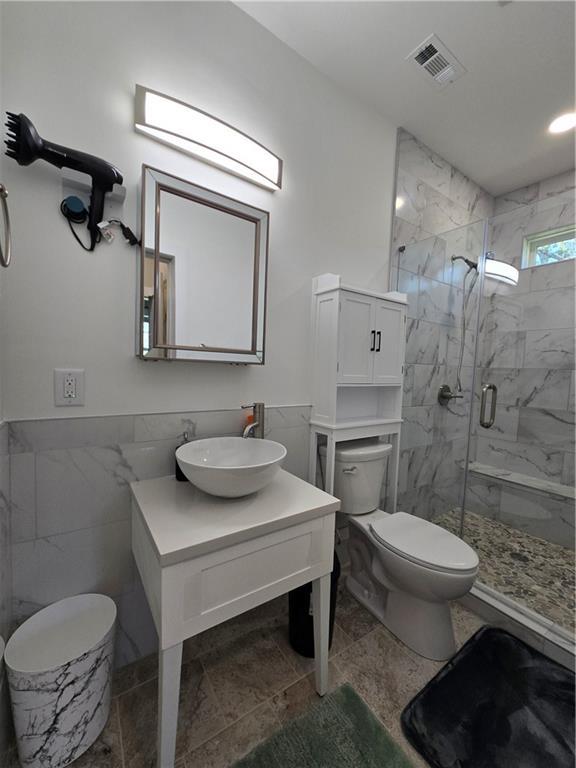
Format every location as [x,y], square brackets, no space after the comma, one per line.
[497,704]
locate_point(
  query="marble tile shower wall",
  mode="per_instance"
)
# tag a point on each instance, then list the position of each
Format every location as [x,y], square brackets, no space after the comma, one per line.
[562,184]
[71,503]
[432,196]
[527,349]
[439,213]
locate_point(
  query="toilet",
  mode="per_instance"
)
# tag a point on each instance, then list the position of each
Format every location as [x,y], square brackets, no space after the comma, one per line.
[403,569]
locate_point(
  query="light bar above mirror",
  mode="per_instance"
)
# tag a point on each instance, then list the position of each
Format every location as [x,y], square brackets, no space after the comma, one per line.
[206,137]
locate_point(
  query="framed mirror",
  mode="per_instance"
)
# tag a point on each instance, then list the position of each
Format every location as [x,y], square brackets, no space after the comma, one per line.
[202,275]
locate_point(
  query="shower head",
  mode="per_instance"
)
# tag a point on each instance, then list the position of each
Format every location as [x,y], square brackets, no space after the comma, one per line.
[471,264]
[25,145]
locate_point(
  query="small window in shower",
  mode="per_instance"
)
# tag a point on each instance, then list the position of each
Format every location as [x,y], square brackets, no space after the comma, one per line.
[549,247]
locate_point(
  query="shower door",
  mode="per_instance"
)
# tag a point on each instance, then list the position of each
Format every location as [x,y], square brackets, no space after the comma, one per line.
[434,437]
[517,506]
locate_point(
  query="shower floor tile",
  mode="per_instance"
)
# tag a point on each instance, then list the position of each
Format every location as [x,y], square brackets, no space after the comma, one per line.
[532,571]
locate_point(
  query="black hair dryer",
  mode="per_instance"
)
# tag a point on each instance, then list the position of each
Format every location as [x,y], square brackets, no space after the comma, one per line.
[25,145]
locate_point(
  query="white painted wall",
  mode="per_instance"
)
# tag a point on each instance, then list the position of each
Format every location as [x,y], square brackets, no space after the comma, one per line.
[5,553]
[71,67]
[3,159]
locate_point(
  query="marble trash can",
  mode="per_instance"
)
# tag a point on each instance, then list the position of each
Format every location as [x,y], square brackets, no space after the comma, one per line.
[59,665]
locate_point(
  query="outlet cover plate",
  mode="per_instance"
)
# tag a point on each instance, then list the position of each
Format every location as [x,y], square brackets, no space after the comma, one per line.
[69,386]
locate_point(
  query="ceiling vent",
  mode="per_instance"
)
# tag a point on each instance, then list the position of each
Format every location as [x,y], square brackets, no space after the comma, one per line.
[437,64]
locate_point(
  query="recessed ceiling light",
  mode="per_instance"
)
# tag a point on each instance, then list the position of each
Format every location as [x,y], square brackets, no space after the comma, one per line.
[563,123]
[399,202]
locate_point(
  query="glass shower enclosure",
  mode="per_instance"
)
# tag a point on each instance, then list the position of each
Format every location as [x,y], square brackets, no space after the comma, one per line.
[488,431]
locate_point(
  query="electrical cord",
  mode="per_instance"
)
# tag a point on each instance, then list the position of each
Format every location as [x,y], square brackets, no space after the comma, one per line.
[75,213]
[126,231]
[86,248]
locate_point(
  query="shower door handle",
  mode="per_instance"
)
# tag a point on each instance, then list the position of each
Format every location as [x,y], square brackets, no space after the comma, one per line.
[484,422]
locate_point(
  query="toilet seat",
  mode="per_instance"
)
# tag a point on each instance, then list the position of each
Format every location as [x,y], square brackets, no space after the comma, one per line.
[424,543]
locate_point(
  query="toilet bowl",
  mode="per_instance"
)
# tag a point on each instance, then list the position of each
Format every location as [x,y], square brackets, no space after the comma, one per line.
[406,571]
[403,569]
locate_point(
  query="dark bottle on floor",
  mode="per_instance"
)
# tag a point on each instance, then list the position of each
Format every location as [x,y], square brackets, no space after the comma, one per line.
[177,471]
[301,623]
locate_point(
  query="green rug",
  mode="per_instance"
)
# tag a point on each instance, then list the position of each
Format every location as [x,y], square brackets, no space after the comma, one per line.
[339,732]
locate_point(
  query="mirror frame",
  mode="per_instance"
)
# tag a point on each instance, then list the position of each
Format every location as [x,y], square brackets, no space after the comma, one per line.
[255,355]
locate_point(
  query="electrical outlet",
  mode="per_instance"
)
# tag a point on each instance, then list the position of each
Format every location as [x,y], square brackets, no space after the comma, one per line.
[68,386]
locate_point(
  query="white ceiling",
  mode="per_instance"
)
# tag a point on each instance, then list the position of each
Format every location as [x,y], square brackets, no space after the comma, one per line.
[491,124]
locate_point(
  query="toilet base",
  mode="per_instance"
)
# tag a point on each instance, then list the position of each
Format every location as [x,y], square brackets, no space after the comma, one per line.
[424,627]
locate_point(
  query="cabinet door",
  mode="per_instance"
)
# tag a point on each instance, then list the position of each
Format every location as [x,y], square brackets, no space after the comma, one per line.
[356,339]
[390,338]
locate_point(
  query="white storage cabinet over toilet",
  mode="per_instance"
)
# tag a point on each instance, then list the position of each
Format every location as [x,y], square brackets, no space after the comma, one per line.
[358,371]
[404,570]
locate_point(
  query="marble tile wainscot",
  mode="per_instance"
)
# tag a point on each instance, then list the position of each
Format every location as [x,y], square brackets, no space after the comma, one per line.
[70,511]
[5,584]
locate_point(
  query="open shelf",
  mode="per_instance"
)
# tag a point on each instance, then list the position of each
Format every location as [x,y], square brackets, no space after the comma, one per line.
[358,372]
[356,423]
[368,403]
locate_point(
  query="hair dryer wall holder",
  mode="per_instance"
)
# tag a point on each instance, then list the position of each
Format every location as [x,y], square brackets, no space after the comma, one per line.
[25,145]
[80,184]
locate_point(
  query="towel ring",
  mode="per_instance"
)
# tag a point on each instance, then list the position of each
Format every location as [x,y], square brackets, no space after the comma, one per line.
[5,253]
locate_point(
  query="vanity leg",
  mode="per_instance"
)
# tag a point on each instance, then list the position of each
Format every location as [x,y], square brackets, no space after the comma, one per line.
[330,459]
[168,696]
[312,456]
[321,613]
[393,466]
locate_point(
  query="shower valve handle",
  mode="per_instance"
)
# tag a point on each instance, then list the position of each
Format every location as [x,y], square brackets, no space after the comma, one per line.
[445,394]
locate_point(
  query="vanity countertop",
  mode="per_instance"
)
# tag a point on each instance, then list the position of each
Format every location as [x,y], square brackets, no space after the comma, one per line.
[183,522]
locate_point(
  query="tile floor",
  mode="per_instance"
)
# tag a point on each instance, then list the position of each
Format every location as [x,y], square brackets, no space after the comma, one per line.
[241,681]
[532,571]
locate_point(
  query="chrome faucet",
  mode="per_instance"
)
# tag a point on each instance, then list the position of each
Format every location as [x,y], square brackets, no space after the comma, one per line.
[257,426]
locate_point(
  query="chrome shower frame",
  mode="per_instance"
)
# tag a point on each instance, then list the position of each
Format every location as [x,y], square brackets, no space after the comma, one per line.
[481,271]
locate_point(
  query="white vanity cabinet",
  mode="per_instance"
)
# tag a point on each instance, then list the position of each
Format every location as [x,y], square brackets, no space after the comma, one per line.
[204,559]
[358,370]
[368,333]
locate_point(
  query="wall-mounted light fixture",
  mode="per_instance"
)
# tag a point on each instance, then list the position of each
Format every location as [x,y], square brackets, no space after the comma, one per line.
[563,123]
[500,270]
[208,138]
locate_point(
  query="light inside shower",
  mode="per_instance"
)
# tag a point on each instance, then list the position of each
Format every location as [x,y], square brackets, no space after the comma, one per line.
[500,270]
[206,137]
[563,123]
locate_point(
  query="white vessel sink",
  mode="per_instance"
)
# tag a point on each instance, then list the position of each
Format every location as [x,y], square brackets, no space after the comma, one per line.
[230,466]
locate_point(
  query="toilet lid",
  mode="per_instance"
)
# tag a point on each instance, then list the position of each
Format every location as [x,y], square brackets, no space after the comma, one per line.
[424,543]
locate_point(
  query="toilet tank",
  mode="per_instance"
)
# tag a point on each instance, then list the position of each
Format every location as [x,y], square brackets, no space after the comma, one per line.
[358,474]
